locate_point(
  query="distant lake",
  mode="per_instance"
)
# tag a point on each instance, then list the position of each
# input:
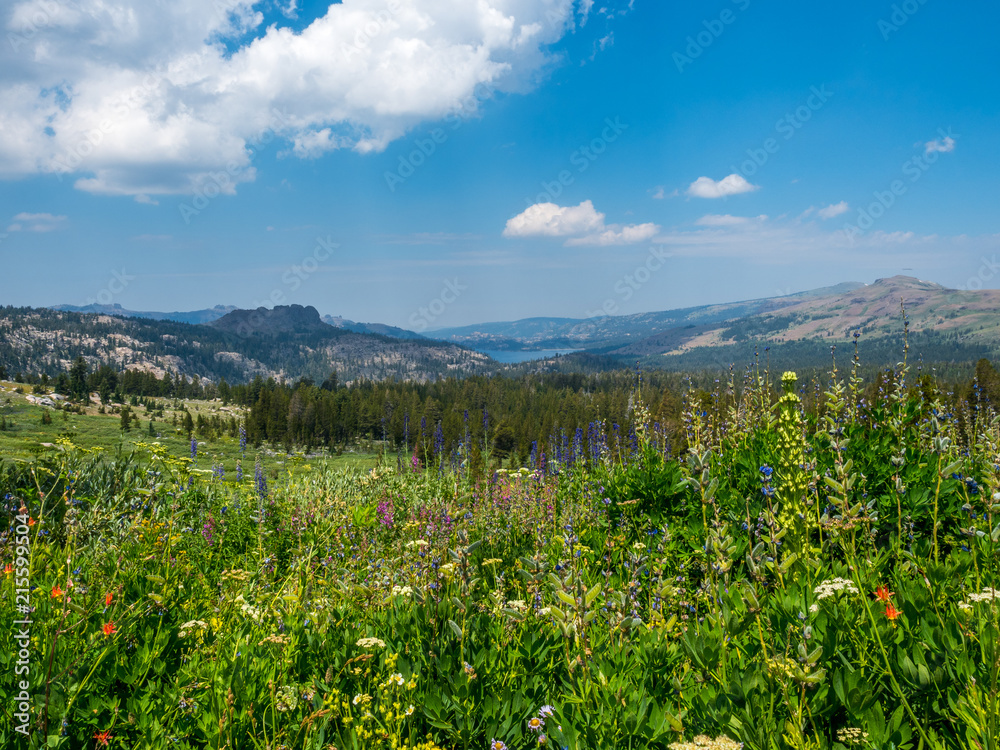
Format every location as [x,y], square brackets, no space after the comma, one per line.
[510,358]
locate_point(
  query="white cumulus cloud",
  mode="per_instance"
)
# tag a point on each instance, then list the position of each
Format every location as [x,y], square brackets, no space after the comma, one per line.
[132,97]
[580,225]
[551,220]
[734,184]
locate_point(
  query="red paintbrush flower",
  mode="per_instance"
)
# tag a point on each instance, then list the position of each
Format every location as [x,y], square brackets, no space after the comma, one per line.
[882,593]
[891,612]
[103,738]
[107,600]
[56,591]
[108,628]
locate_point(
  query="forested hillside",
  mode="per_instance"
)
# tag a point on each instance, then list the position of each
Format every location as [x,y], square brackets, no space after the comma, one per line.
[47,341]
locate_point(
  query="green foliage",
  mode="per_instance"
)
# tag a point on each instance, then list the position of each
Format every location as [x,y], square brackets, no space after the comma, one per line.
[407,607]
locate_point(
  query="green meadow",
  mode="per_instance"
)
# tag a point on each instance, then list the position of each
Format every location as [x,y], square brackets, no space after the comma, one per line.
[771,577]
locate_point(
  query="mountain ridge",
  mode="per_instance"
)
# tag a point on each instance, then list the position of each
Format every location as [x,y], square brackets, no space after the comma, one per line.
[291,341]
[193,317]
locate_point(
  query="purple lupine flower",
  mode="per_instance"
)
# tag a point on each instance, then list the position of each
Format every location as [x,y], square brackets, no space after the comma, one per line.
[438,440]
[260,479]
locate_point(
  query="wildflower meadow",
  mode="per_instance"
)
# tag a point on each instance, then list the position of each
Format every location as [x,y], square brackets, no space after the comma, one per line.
[770,574]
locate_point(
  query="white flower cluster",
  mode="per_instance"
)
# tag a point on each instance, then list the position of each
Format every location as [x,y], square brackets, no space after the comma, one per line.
[517,605]
[254,613]
[370,643]
[704,742]
[986,595]
[833,586]
[402,591]
[187,627]
[417,543]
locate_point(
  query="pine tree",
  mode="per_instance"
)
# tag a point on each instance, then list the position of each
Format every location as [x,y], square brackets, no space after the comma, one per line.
[78,379]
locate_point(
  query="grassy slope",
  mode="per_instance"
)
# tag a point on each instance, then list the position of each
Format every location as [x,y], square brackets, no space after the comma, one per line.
[28,437]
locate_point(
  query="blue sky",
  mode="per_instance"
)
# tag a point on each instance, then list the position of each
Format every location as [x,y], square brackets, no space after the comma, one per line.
[430,163]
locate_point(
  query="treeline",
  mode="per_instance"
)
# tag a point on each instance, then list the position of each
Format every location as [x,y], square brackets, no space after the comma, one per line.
[562,416]
[114,386]
[454,420]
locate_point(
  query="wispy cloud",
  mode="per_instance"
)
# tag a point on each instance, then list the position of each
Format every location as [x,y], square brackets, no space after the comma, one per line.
[941,145]
[725,220]
[777,241]
[27,222]
[833,210]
